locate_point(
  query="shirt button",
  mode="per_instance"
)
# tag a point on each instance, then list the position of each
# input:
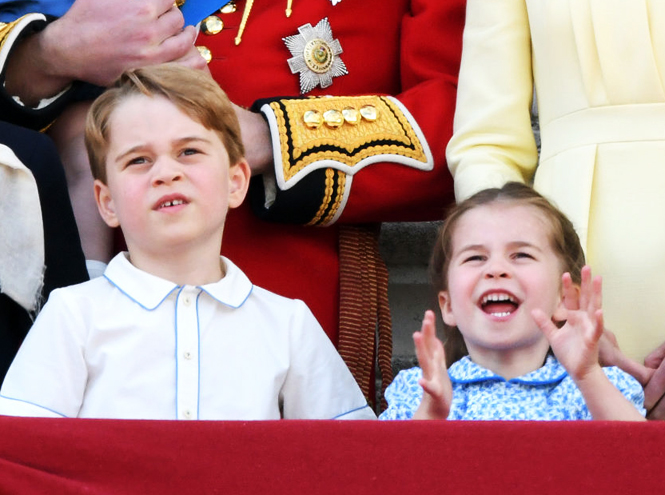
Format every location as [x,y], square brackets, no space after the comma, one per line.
[187,300]
[187,355]
[187,413]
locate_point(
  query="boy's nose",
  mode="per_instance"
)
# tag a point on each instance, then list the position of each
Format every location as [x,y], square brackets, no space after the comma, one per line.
[166,170]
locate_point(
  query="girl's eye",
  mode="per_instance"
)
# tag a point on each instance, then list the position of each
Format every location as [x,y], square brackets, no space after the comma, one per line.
[522,255]
[475,257]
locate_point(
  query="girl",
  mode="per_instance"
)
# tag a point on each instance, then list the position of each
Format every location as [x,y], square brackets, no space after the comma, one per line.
[513,285]
[597,68]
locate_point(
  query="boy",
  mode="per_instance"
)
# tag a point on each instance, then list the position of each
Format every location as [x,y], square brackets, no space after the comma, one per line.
[173,331]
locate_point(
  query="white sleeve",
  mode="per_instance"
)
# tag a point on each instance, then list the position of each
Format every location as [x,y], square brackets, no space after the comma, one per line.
[318,384]
[49,374]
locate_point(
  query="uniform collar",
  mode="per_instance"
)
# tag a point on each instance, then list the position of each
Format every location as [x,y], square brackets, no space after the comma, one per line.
[466,371]
[149,291]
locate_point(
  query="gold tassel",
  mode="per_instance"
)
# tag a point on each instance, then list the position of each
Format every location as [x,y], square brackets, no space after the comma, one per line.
[243,23]
[289,3]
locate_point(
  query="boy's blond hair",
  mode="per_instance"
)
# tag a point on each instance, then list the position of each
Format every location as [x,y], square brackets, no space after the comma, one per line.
[564,240]
[192,91]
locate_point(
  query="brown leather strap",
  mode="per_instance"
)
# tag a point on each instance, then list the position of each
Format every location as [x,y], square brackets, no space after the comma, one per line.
[365,333]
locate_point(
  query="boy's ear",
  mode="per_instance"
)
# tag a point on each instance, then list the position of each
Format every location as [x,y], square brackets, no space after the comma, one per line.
[446,309]
[105,204]
[239,175]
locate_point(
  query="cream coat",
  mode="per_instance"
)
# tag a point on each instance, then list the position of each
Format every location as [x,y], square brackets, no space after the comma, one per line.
[598,67]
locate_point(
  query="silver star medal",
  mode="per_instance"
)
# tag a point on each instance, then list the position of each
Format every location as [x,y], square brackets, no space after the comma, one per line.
[315,56]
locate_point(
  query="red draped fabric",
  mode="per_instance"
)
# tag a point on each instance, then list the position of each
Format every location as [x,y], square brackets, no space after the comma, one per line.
[72,456]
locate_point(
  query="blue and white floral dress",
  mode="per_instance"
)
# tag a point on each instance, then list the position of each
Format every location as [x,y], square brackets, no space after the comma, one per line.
[478,394]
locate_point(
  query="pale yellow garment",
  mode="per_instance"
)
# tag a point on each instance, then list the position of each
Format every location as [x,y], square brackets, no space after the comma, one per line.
[598,67]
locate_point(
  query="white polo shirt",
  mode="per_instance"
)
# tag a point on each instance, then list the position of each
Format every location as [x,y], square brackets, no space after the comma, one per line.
[135,346]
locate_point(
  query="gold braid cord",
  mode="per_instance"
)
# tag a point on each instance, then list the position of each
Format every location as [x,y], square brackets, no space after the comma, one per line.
[364,324]
[5,29]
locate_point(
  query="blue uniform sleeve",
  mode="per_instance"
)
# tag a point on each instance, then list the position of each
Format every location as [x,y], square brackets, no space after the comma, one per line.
[11,10]
[403,395]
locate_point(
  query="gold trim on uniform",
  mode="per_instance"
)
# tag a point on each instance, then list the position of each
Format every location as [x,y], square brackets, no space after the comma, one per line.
[341,185]
[330,180]
[338,192]
[5,29]
[243,22]
[303,144]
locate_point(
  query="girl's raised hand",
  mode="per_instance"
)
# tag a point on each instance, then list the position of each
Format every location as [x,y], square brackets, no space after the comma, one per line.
[576,343]
[438,390]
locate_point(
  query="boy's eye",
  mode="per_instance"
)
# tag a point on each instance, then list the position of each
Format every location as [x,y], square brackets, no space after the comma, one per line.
[139,160]
[190,151]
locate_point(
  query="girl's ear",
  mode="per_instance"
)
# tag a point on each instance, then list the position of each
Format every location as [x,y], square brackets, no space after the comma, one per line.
[446,309]
[105,204]
[239,175]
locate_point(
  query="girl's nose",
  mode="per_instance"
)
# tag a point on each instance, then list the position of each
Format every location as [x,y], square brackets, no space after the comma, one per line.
[497,269]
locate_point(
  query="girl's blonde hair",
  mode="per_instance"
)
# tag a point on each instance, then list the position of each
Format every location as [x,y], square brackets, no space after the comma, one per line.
[565,242]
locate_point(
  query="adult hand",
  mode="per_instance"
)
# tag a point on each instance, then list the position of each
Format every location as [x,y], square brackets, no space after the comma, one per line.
[95,41]
[256,139]
[654,389]
[609,353]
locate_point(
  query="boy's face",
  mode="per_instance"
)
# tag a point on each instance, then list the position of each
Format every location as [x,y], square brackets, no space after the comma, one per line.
[502,267]
[169,183]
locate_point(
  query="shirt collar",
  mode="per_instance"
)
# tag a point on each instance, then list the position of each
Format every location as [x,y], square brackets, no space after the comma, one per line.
[466,371]
[149,291]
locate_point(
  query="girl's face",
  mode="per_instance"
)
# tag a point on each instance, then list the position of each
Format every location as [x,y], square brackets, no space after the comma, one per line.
[502,267]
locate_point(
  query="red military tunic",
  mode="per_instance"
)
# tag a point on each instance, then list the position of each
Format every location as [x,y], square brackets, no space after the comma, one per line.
[410,49]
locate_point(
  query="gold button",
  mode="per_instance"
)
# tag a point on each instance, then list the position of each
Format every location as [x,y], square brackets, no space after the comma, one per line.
[313,119]
[212,25]
[229,8]
[369,113]
[179,3]
[333,118]
[351,115]
[205,53]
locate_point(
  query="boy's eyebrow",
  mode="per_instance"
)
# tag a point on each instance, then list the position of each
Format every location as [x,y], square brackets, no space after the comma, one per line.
[189,139]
